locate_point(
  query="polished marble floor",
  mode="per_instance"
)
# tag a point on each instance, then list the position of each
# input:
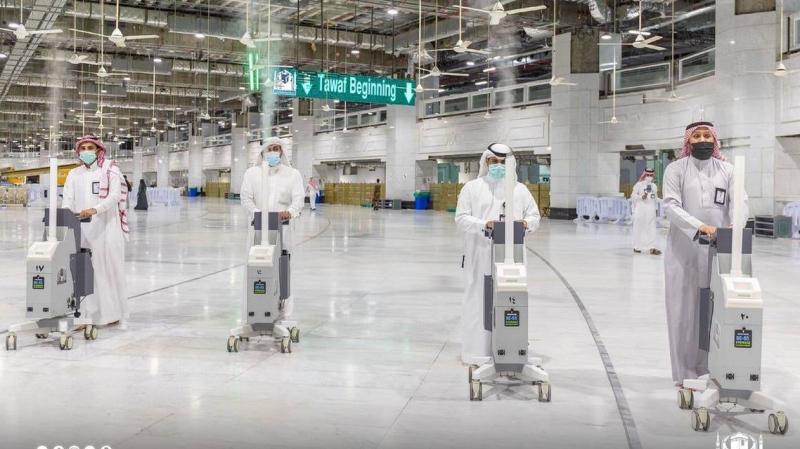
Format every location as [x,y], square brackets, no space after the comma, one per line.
[377,297]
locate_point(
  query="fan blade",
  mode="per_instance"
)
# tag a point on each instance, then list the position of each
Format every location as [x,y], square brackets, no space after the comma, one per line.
[266,39]
[478,52]
[655,47]
[142,36]
[453,74]
[6,29]
[530,9]
[424,69]
[475,9]
[86,32]
[426,76]
[442,49]
[652,39]
[54,31]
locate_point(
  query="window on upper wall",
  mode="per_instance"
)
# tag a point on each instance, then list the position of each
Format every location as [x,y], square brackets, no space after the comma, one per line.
[352,121]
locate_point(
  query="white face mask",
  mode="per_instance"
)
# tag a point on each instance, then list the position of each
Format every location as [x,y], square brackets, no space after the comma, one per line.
[648,178]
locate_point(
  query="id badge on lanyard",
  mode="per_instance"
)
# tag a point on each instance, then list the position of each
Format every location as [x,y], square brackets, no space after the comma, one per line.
[720,196]
[96,188]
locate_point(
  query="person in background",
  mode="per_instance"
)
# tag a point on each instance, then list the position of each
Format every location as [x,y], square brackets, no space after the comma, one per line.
[644,200]
[141,196]
[697,189]
[278,187]
[480,204]
[376,195]
[312,189]
[97,190]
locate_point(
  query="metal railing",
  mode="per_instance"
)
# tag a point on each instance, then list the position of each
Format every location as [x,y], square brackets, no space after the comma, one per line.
[644,77]
[697,65]
[352,120]
[652,76]
[517,95]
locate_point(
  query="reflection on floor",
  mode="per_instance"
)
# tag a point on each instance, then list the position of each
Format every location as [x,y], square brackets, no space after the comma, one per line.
[377,295]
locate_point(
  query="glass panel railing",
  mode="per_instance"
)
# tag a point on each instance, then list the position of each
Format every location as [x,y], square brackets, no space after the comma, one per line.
[648,76]
[539,93]
[456,105]
[697,65]
[480,101]
[509,97]
[432,108]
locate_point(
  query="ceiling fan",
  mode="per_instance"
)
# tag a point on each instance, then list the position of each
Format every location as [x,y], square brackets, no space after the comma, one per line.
[22,33]
[614,120]
[557,80]
[462,46]
[560,81]
[641,40]
[116,36]
[435,71]
[780,70]
[498,13]
[673,96]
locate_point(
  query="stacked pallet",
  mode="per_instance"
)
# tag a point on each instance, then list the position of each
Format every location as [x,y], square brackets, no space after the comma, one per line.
[444,197]
[541,194]
[354,194]
[13,196]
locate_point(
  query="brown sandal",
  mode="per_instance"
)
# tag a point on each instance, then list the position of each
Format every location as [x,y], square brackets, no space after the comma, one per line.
[655,252]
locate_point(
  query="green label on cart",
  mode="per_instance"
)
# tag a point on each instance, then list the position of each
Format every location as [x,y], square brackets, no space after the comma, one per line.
[743,339]
[260,288]
[38,283]
[512,318]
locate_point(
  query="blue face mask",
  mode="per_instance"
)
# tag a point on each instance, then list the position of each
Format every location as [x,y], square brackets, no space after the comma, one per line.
[497,171]
[87,157]
[272,158]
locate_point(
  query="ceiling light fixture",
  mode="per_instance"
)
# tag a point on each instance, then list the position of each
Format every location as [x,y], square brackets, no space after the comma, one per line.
[489,69]
[470,63]
[392,11]
[481,83]
[3,56]
[355,51]
[605,36]
[199,35]
[157,60]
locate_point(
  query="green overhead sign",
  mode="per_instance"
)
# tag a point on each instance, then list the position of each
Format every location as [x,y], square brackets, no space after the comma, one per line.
[337,86]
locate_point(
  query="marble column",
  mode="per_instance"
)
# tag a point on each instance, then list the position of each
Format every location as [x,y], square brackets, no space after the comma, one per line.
[403,142]
[239,158]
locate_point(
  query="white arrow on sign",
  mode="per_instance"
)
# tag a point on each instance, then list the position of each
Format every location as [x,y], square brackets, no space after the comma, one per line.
[409,93]
[307,85]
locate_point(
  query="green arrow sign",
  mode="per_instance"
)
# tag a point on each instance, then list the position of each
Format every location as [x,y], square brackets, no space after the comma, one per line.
[338,86]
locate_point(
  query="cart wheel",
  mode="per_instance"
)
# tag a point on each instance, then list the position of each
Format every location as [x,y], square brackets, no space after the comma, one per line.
[700,420]
[544,392]
[233,344]
[65,342]
[475,391]
[41,336]
[90,332]
[294,334]
[685,399]
[286,345]
[11,342]
[778,423]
